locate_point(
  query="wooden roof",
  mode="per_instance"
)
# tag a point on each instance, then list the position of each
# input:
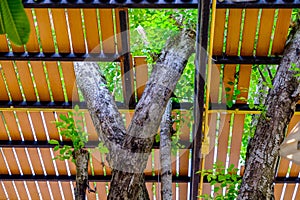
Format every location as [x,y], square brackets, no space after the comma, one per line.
[33,93]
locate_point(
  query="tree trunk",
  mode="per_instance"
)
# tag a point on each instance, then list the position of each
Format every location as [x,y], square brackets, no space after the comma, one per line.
[263,150]
[165,153]
[81,157]
[129,150]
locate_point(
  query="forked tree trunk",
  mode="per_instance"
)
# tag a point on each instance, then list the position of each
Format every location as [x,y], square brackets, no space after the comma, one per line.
[129,149]
[81,157]
[280,105]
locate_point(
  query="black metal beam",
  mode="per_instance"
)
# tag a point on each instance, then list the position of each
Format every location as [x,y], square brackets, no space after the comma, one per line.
[200,74]
[28,56]
[101,178]
[90,144]
[240,107]
[258,60]
[156,4]
[59,57]
[128,92]
[69,105]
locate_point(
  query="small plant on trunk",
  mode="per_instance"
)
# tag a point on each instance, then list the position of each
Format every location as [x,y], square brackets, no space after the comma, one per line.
[72,129]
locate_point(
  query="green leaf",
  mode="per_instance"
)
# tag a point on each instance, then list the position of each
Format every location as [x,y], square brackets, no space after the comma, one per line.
[2,28]
[15,21]
[63,117]
[227,89]
[56,148]
[53,142]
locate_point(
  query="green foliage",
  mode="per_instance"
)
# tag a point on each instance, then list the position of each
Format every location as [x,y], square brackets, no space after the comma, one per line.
[14,21]
[70,129]
[221,179]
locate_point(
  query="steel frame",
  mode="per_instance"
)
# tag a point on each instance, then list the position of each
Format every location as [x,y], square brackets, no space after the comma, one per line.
[156,4]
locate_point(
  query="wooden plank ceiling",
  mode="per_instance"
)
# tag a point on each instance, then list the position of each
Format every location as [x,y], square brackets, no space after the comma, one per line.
[62,31]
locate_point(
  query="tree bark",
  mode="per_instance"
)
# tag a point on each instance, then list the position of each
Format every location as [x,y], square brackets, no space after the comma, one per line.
[129,150]
[263,150]
[165,153]
[81,157]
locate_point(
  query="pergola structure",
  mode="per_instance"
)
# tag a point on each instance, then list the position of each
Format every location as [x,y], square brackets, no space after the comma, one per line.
[37,83]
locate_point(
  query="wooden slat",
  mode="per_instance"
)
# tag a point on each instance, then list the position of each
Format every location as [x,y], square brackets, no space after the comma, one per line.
[289,191]
[281,31]
[45,31]
[3,133]
[32,190]
[148,170]
[11,161]
[219,34]
[32,45]
[70,81]
[107,30]
[3,44]
[3,168]
[67,190]
[3,93]
[26,80]
[265,31]
[214,88]
[16,48]
[55,190]
[25,125]
[52,130]
[223,138]
[157,166]
[21,189]
[2,193]
[91,28]
[55,81]
[277,190]
[61,30]
[40,79]
[284,163]
[184,162]
[244,83]
[97,163]
[150,191]
[250,24]
[93,136]
[236,140]
[35,161]
[24,163]
[38,126]
[183,187]
[43,187]
[10,190]
[11,80]
[60,164]
[184,128]
[12,125]
[228,82]
[47,160]
[75,23]
[101,191]
[141,74]
[233,34]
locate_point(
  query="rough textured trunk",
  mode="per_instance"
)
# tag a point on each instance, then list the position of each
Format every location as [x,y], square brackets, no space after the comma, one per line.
[165,153]
[280,105]
[129,150]
[81,157]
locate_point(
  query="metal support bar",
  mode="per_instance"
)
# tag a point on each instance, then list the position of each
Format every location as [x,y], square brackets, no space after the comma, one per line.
[59,57]
[156,4]
[27,56]
[200,71]
[98,178]
[258,60]
[57,105]
[91,144]
[128,92]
